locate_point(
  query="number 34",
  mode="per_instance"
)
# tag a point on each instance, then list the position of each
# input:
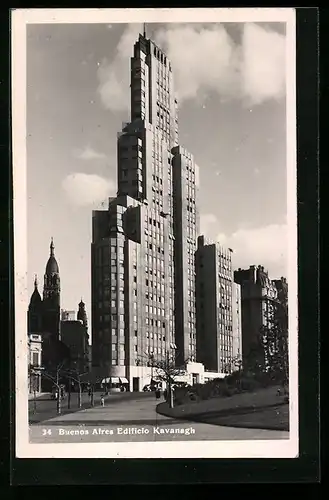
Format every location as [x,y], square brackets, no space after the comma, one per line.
[46,432]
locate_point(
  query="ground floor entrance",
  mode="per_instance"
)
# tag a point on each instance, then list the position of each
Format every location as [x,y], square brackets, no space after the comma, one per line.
[136,384]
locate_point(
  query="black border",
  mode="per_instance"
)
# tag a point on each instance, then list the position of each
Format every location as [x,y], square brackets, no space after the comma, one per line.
[186,471]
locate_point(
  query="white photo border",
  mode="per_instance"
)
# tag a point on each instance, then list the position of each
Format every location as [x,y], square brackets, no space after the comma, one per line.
[287,448]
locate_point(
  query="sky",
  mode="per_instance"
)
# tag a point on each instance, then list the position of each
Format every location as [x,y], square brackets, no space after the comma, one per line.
[230,82]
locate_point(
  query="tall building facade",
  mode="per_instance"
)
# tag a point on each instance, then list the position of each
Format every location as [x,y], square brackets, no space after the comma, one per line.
[143,277]
[259,298]
[217,308]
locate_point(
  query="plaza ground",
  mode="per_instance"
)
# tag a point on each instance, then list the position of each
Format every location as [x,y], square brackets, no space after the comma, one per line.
[134,417]
[262,409]
[44,408]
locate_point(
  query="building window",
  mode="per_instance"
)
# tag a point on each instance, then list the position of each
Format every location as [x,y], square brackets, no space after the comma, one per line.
[35,359]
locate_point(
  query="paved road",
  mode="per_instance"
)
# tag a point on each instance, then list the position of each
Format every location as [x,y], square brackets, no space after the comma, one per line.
[45,408]
[133,417]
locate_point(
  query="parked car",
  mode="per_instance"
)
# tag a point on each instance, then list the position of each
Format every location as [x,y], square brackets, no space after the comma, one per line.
[151,387]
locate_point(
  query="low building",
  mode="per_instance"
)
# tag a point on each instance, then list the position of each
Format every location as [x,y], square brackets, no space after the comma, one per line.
[73,335]
[35,362]
[68,315]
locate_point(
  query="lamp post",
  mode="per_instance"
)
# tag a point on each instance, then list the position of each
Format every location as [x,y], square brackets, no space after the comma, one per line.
[152,365]
[171,394]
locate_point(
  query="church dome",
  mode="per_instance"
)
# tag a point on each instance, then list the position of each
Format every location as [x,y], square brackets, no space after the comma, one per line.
[52,266]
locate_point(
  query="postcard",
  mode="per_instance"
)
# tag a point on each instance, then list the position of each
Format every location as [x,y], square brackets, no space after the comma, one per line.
[155,233]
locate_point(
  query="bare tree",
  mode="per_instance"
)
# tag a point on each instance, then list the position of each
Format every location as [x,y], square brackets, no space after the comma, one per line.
[73,374]
[166,369]
[274,341]
[234,364]
[55,376]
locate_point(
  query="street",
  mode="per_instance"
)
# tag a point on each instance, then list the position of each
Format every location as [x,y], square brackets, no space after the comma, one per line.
[133,417]
[46,408]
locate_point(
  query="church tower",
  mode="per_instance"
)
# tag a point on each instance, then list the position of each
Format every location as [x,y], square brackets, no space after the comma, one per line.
[51,296]
[82,315]
[34,314]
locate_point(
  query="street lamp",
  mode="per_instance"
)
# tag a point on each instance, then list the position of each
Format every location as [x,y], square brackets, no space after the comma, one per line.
[152,365]
[171,394]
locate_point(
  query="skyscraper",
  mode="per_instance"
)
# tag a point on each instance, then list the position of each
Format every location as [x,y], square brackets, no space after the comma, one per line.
[218,326]
[143,278]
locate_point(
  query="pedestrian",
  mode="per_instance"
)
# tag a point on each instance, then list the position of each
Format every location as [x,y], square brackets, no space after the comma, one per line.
[165,394]
[102,400]
[157,394]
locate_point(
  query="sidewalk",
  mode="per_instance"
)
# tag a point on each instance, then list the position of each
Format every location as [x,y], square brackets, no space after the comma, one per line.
[136,410]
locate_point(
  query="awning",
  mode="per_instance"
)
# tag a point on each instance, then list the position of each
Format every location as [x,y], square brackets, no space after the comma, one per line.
[111,380]
[106,380]
[124,380]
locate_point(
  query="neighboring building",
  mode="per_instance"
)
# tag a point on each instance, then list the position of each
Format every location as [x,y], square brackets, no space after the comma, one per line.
[35,362]
[43,320]
[143,245]
[51,296]
[34,329]
[186,229]
[259,298]
[74,334]
[218,327]
[90,359]
[68,315]
[35,311]
[282,289]
[43,315]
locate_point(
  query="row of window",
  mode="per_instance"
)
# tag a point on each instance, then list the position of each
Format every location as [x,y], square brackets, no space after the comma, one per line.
[157,179]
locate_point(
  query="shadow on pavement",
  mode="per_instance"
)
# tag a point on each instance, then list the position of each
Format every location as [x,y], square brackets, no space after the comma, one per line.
[47,409]
[229,417]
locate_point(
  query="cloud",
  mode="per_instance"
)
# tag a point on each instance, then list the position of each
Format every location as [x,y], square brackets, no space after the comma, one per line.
[262,64]
[267,246]
[89,153]
[204,60]
[206,223]
[113,77]
[84,189]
